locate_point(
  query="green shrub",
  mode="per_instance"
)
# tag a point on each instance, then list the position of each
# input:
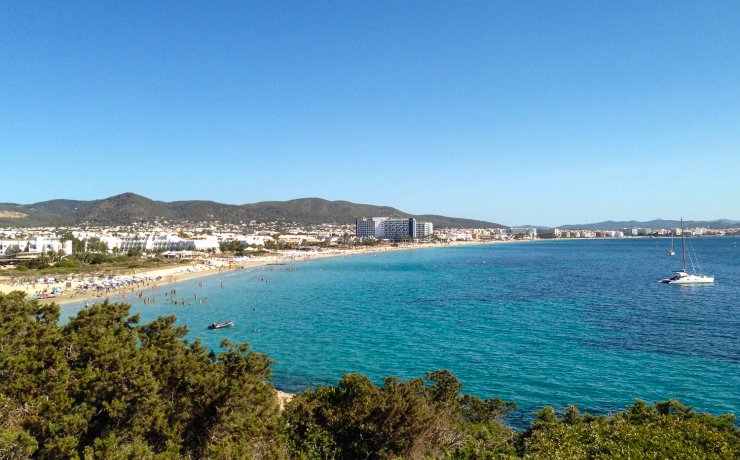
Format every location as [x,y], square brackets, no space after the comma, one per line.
[67,263]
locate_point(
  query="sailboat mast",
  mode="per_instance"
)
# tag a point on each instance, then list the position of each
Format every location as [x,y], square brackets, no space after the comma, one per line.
[683,244]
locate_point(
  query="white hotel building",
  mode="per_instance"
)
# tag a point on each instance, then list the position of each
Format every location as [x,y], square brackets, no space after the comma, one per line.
[393,228]
[166,242]
[36,245]
[373,227]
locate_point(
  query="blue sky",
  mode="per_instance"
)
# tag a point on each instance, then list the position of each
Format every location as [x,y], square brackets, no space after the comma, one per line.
[515,112]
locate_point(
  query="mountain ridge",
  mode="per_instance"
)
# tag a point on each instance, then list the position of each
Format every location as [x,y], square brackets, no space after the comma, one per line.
[129,208]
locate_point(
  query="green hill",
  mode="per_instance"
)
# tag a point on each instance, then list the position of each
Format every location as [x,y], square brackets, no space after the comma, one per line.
[129,208]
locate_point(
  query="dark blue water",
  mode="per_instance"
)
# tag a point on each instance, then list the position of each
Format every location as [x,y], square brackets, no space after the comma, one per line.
[540,323]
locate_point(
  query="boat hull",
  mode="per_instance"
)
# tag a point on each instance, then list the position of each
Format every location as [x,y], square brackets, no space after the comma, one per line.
[686,278]
[695,280]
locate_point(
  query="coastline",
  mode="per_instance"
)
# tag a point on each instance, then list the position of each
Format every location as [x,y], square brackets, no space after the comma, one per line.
[72,291]
[215,265]
[441,255]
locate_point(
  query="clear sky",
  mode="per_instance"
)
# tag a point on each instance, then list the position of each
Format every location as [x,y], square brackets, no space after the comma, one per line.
[516,112]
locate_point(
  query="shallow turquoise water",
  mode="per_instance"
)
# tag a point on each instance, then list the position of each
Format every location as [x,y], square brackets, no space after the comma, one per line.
[539,323]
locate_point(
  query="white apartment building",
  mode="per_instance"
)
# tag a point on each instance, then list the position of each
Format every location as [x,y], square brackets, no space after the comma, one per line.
[163,242]
[203,243]
[398,229]
[423,230]
[113,242]
[393,228]
[254,240]
[168,242]
[370,228]
[36,244]
[8,246]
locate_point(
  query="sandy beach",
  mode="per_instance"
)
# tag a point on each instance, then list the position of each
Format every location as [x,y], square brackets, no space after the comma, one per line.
[75,289]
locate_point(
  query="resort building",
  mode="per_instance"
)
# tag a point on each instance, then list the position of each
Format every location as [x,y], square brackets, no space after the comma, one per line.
[11,246]
[161,242]
[423,230]
[399,229]
[202,243]
[36,245]
[113,242]
[254,240]
[370,228]
[168,242]
[393,228]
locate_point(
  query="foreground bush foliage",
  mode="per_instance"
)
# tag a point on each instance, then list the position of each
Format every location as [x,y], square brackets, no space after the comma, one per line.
[412,419]
[103,386]
[664,430]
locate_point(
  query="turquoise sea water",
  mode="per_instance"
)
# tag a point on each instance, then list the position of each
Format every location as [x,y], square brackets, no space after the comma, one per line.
[538,323]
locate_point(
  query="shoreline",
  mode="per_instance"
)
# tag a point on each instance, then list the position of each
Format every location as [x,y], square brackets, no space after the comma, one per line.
[153,279]
[215,265]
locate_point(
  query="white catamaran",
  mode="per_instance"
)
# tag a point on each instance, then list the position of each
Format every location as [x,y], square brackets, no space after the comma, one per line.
[683,277]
